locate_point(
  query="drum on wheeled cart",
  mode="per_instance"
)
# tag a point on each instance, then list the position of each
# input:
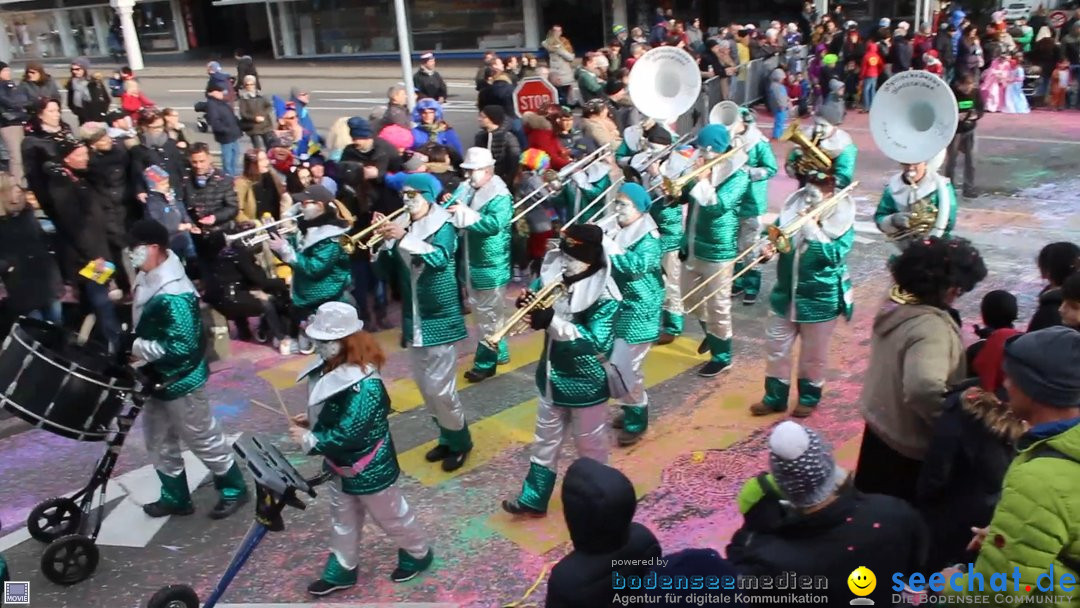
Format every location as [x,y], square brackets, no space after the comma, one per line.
[79,392]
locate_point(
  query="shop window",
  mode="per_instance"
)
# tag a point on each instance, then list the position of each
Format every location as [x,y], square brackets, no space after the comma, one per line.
[154,23]
[472,24]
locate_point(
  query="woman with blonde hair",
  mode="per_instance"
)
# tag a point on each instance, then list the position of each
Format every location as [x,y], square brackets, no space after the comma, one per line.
[259,190]
[346,423]
[560,62]
[31,276]
[337,139]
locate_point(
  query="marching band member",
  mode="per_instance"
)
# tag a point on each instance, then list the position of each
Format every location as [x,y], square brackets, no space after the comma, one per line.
[635,266]
[835,142]
[423,257]
[812,290]
[571,375]
[321,271]
[170,340]
[485,218]
[669,219]
[918,190]
[346,423]
[761,166]
[583,187]
[711,242]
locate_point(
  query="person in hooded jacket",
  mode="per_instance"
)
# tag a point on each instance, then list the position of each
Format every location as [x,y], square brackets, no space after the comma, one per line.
[1056,262]
[598,504]
[37,84]
[432,127]
[428,82]
[245,66]
[215,78]
[13,117]
[27,268]
[916,355]
[973,442]
[87,95]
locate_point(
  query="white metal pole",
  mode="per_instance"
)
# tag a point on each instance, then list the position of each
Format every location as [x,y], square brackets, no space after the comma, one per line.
[131,36]
[405,49]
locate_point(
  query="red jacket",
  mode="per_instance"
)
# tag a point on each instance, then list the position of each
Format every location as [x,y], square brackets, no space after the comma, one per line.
[871,62]
[540,135]
[133,103]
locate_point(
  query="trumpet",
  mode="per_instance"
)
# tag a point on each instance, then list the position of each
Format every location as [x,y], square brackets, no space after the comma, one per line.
[260,234]
[368,238]
[543,299]
[780,237]
[813,157]
[673,188]
[921,220]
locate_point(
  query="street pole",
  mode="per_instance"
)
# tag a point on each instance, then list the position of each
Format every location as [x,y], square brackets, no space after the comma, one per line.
[406,52]
[131,35]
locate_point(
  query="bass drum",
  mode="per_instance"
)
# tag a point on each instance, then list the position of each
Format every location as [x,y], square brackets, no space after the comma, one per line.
[55,384]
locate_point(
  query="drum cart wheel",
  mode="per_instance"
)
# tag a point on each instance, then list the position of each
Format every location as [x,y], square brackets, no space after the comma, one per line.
[70,559]
[54,518]
[174,596]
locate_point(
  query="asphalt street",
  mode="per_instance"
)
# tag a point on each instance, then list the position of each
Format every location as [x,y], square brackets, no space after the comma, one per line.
[701,445]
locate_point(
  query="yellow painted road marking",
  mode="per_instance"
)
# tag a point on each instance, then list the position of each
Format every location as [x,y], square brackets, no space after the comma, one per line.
[514,425]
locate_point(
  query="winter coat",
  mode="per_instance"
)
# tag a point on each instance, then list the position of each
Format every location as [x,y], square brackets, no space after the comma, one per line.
[697,562]
[133,103]
[27,268]
[916,355]
[540,135]
[499,93]
[221,79]
[560,61]
[78,214]
[39,147]
[944,47]
[504,148]
[222,121]
[108,173]
[245,66]
[959,485]
[429,84]
[13,102]
[46,88]
[95,109]
[882,533]
[168,157]
[395,115]
[900,54]
[1047,315]
[256,198]
[599,505]
[872,64]
[217,198]
[1035,525]
[250,108]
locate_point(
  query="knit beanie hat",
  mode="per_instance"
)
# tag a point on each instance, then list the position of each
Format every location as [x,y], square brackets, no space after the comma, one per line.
[1045,365]
[495,114]
[399,136]
[426,184]
[156,177]
[830,113]
[714,137]
[637,195]
[415,161]
[802,464]
[535,160]
[66,146]
[359,128]
[583,242]
[830,59]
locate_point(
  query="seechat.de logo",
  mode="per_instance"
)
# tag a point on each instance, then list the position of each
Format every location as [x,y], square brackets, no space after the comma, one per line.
[862,583]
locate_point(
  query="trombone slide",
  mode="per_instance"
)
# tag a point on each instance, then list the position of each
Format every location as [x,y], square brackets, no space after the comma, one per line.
[732,280]
[598,198]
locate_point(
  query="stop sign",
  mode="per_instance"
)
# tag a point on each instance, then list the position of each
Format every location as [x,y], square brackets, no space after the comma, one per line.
[1058,19]
[532,94]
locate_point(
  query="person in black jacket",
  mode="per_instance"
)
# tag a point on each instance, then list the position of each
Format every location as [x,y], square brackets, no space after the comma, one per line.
[944,47]
[1057,261]
[27,268]
[239,288]
[209,193]
[225,126]
[900,53]
[495,135]
[599,504]
[245,66]
[13,117]
[427,81]
[78,214]
[970,105]
[155,147]
[960,482]
[820,525]
[108,173]
[87,96]
[39,146]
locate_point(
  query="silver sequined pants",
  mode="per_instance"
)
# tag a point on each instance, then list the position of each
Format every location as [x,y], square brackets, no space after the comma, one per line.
[631,357]
[672,266]
[187,419]
[587,426]
[389,511]
[435,371]
[488,308]
[716,312]
[813,352]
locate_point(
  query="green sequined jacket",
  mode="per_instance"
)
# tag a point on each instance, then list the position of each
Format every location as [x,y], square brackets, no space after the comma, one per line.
[762,167]
[487,240]
[169,329]
[712,229]
[637,273]
[321,268]
[350,426]
[426,268]
[898,197]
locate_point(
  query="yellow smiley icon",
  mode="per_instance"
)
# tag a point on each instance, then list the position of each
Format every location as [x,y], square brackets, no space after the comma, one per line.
[862,581]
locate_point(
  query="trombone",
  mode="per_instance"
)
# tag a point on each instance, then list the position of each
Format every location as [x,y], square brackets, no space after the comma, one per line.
[598,198]
[553,183]
[260,234]
[780,237]
[543,299]
[673,187]
[667,150]
[369,237]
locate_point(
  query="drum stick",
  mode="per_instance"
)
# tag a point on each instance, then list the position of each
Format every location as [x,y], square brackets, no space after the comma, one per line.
[84,331]
[281,402]
[270,409]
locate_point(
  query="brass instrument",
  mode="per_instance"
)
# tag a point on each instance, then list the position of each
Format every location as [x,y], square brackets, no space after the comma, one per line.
[673,187]
[813,158]
[780,237]
[599,197]
[543,299]
[261,233]
[922,216]
[558,177]
[368,238]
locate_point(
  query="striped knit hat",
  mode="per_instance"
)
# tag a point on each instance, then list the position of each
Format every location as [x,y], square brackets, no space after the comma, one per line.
[535,160]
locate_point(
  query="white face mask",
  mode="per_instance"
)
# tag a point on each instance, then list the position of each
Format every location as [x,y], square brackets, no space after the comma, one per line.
[312,211]
[910,175]
[478,178]
[575,267]
[821,130]
[139,255]
[327,350]
[413,201]
[626,212]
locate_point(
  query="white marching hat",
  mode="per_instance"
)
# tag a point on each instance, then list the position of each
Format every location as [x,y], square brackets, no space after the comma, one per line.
[333,321]
[478,158]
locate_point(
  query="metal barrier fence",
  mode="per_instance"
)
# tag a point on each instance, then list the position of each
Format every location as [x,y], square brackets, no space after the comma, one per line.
[747,86]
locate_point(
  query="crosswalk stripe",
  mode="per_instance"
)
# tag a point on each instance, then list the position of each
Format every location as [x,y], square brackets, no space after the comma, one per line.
[514,425]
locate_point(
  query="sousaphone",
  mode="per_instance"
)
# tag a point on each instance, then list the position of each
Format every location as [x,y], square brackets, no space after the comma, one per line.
[665,83]
[913,117]
[725,113]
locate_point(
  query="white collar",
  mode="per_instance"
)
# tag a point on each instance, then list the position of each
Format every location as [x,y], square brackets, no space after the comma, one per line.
[835,224]
[585,292]
[169,277]
[337,380]
[318,234]
[627,236]
[430,223]
[902,191]
[752,136]
[832,145]
[494,188]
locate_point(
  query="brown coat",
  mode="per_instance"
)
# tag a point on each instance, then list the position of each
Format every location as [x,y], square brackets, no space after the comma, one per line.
[916,354]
